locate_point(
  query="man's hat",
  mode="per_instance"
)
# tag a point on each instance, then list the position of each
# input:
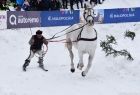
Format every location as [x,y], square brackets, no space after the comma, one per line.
[38,32]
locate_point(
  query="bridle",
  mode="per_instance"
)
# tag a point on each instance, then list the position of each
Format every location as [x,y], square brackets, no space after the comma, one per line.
[89,11]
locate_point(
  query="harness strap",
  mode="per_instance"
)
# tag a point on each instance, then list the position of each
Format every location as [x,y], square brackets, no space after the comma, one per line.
[79,36]
[86,39]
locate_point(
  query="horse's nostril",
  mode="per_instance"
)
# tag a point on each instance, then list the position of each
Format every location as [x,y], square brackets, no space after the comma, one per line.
[90,21]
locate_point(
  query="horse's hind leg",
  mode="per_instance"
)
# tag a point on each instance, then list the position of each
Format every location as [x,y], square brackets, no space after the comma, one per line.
[69,46]
[88,65]
[80,64]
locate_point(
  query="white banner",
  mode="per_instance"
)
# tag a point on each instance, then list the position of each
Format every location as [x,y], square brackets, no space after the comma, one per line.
[3,20]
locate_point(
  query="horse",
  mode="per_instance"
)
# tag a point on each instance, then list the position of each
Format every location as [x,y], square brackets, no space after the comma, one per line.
[84,38]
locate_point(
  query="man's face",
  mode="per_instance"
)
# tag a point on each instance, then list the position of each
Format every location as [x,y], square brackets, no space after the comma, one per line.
[39,35]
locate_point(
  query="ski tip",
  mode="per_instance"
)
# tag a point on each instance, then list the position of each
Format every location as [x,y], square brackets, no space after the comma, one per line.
[24,70]
[46,70]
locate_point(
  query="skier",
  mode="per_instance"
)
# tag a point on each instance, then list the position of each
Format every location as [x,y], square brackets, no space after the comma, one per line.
[36,43]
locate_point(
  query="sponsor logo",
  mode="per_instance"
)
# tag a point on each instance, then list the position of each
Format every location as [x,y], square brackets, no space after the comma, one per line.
[60,18]
[22,20]
[121,15]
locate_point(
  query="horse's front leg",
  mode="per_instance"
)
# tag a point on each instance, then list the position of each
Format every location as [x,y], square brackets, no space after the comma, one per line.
[88,65]
[69,46]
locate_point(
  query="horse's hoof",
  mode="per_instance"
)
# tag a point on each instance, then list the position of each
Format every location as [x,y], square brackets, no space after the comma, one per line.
[72,70]
[83,74]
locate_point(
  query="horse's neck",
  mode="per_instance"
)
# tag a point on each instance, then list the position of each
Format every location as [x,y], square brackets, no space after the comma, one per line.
[89,28]
[88,32]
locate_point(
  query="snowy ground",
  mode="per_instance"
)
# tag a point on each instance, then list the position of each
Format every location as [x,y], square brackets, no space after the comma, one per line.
[108,75]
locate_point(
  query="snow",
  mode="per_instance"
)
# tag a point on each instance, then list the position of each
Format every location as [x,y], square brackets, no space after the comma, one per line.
[109,4]
[107,76]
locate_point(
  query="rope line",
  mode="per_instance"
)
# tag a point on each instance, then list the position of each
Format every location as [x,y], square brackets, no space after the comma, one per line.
[54,37]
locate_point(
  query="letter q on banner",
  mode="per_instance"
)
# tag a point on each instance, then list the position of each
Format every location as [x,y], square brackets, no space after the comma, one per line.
[12,20]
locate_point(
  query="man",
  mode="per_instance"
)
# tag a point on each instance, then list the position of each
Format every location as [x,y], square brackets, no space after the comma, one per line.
[77,3]
[26,5]
[55,5]
[36,43]
[19,2]
[3,5]
[93,2]
[71,4]
[65,4]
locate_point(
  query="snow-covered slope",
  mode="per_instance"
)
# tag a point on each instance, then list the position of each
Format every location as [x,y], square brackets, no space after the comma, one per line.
[108,75]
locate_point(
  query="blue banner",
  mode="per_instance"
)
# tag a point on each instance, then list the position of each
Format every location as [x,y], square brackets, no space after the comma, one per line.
[27,19]
[59,18]
[121,15]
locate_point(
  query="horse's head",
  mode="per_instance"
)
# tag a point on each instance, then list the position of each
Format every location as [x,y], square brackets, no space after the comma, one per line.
[89,16]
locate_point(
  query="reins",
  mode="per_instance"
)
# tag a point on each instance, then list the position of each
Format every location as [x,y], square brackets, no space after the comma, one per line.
[54,37]
[44,51]
[59,32]
[63,41]
[78,38]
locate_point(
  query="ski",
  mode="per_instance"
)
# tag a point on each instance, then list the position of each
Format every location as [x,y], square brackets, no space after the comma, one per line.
[44,69]
[24,69]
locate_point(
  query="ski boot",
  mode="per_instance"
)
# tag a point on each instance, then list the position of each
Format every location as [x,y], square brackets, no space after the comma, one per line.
[41,65]
[40,61]
[26,64]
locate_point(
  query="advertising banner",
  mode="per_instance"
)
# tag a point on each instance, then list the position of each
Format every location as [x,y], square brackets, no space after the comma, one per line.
[3,20]
[59,18]
[121,15]
[27,19]
[99,16]
[22,19]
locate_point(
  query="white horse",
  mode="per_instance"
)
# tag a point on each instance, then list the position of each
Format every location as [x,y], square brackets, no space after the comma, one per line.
[84,38]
